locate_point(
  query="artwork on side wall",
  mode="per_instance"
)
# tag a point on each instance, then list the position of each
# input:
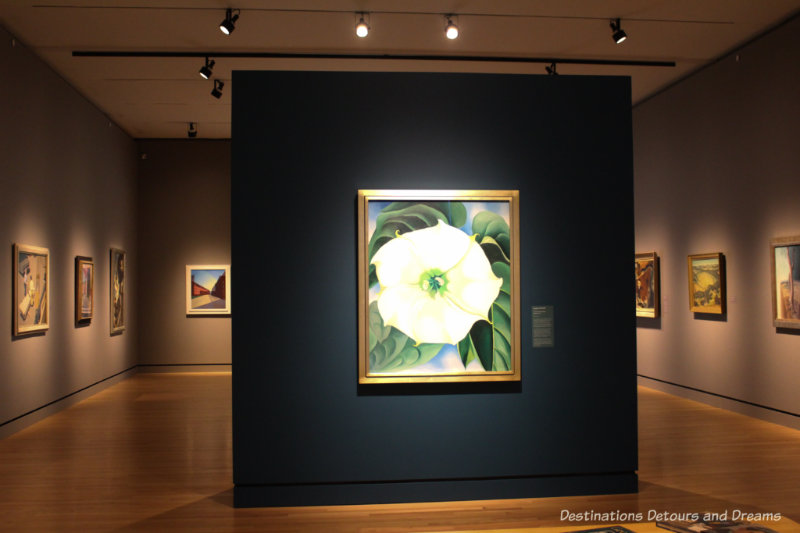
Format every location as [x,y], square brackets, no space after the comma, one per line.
[117,290]
[84,289]
[31,289]
[208,289]
[438,290]
[707,283]
[785,273]
[648,300]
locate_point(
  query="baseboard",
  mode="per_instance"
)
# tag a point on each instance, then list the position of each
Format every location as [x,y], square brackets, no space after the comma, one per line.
[292,495]
[187,367]
[40,413]
[761,412]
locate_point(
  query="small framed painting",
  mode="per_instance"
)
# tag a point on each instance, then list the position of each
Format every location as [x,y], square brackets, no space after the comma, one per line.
[707,283]
[31,289]
[438,286]
[208,290]
[117,290]
[84,290]
[646,267]
[785,273]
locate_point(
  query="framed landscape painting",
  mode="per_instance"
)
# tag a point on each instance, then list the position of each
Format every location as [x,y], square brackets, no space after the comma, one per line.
[438,286]
[208,289]
[31,289]
[646,269]
[117,290]
[707,283]
[785,270]
[84,289]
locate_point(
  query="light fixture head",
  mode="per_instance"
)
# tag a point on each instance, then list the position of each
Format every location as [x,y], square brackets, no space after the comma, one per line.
[192,131]
[229,24]
[362,28]
[205,70]
[216,92]
[450,30]
[618,34]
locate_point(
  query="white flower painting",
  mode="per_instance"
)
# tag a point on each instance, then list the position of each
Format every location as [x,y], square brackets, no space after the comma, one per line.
[439,277]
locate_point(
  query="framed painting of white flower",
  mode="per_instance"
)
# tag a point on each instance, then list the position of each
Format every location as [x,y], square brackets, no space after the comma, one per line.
[438,286]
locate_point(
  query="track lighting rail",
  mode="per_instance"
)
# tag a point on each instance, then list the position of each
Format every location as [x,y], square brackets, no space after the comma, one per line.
[395,57]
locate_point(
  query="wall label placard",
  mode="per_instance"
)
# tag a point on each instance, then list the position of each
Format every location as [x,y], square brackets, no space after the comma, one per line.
[543,319]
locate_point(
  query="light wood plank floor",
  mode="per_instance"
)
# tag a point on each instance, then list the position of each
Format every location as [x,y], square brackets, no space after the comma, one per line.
[153,453]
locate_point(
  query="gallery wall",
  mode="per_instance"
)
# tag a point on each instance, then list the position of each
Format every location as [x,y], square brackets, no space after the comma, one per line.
[717,169]
[68,184]
[184,215]
[303,144]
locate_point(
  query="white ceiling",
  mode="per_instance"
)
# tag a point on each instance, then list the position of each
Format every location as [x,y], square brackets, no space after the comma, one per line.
[157,97]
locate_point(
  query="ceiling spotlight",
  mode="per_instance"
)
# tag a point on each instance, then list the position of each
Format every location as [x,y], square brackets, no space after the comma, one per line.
[450,30]
[228,25]
[216,92]
[619,34]
[551,70]
[362,28]
[205,70]
[192,132]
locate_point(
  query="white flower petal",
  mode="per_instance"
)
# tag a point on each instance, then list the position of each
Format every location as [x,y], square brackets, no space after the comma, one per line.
[476,297]
[440,246]
[396,262]
[424,310]
[439,320]
[472,284]
[397,306]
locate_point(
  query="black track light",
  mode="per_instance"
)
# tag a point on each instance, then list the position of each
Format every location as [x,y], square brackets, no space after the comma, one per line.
[216,92]
[205,70]
[551,70]
[192,132]
[618,34]
[229,24]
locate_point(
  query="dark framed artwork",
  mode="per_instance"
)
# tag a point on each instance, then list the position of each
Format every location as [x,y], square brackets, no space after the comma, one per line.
[438,290]
[707,283]
[648,299]
[117,290]
[208,290]
[84,289]
[785,276]
[31,289]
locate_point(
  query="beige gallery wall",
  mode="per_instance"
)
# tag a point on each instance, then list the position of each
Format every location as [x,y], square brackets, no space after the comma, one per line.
[717,169]
[184,219]
[68,184]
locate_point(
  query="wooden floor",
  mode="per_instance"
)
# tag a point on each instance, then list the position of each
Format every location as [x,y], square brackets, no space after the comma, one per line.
[153,453]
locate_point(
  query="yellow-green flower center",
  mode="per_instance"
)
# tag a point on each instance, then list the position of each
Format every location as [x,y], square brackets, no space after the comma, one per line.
[433,282]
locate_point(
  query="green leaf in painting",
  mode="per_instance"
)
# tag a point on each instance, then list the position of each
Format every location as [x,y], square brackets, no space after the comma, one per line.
[493,250]
[490,343]
[392,350]
[488,224]
[467,351]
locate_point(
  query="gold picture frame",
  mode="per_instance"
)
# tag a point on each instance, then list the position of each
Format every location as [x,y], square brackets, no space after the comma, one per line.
[438,286]
[31,289]
[647,272]
[208,290]
[116,300]
[707,283]
[785,281]
[84,290]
